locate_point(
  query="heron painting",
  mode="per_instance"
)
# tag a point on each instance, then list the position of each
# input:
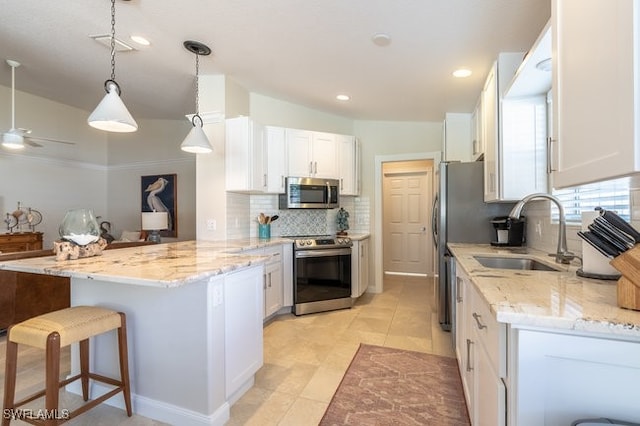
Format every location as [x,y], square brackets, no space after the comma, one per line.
[158,194]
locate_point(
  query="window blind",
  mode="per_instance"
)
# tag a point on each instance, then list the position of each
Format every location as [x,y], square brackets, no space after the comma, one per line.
[610,195]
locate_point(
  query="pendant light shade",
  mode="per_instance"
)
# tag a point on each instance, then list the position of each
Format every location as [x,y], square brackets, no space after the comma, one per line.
[111,114]
[196,141]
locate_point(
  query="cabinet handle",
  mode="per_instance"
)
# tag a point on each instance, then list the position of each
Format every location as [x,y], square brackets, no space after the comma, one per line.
[281,181]
[315,168]
[458,292]
[341,184]
[477,318]
[269,280]
[469,343]
[550,156]
[310,167]
[475,147]
[264,183]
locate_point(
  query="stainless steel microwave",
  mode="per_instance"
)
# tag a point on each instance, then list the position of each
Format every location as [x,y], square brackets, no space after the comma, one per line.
[310,193]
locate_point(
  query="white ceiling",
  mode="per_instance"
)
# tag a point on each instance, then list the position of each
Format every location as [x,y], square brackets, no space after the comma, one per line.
[303,51]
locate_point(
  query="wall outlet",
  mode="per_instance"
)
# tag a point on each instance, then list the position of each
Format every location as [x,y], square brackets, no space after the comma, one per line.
[217,295]
[211,225]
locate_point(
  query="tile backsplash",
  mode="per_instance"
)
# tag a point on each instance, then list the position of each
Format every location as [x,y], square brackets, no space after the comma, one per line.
[243,210]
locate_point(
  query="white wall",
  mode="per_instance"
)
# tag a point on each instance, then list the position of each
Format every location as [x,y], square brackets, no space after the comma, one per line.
[101,171]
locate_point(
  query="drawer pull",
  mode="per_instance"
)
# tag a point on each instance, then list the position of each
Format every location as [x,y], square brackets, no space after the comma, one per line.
[477,318]
[469,343]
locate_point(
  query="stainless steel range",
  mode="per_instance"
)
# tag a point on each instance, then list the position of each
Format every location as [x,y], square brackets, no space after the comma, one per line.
[322,274]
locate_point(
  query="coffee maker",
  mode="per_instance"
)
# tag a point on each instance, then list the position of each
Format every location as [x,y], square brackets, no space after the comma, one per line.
[509,232]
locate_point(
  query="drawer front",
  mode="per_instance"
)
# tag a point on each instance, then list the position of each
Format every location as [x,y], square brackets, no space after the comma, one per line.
[491,333]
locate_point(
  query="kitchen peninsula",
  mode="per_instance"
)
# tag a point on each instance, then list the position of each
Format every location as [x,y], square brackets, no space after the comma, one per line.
[194,318]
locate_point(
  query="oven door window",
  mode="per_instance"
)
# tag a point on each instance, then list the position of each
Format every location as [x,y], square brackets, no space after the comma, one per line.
[322,278]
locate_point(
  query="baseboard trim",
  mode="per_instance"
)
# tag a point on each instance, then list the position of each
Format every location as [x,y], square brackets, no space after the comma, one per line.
[406,274]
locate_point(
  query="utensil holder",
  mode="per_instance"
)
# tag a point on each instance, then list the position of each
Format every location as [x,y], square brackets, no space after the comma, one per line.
[628,290]
[264,231]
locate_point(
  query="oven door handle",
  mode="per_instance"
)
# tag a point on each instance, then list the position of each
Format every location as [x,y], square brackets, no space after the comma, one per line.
[323,253]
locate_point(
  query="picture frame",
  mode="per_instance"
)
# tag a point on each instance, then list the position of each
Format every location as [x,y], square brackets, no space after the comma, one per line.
[159,193]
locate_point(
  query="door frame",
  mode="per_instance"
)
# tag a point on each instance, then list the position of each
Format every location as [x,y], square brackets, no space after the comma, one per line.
[377,235]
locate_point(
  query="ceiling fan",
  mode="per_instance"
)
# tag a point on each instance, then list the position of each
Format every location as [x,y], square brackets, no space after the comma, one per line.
[17,138]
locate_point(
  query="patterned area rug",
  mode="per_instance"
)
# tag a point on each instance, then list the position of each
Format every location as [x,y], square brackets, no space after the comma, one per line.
[387,386]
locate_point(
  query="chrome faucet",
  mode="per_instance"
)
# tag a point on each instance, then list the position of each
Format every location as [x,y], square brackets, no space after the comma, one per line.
[562,255]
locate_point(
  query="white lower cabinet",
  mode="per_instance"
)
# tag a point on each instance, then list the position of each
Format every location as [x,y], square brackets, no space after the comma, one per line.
[561,377]
[273,294]
[243,342]
[481,351]
[278,277]
[359,267]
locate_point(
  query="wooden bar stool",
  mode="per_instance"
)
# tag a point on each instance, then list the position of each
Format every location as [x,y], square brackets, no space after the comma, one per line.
[51,332]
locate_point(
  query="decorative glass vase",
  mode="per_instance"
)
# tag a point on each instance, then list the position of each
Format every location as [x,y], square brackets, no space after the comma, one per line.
[80,226]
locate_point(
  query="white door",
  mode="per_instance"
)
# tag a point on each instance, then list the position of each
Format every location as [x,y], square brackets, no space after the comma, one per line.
[407,193]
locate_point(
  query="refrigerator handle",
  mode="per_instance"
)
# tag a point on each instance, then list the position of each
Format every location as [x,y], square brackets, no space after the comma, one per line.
[434,220]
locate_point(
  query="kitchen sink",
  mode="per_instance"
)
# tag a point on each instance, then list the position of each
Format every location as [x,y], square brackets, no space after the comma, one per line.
[521,263]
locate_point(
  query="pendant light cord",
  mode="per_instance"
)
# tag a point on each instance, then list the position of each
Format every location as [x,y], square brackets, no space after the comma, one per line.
[197,84]
[113,40]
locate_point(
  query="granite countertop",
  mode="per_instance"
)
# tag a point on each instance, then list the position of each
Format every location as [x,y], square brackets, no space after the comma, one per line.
[159,265]
[557,300]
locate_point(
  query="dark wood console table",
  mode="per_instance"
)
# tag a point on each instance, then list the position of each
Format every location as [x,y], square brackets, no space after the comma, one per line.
[20,241]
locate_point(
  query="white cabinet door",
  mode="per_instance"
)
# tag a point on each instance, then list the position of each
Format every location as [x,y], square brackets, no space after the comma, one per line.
[313,154]
[464,339]
[273,288]
[325,155]
[595,90]
[244,155]
[477,141]
[457,137]
[347,153]
[275,155]
[299,154]
[363,283]
[243,310]
[490,133]
[490,393]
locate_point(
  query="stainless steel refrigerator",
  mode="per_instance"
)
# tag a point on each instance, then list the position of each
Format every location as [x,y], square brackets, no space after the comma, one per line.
[460,215]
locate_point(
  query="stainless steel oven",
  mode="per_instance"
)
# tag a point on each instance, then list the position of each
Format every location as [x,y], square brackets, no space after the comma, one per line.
[322,274]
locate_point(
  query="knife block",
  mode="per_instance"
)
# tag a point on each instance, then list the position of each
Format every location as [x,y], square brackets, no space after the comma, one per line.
[628,263]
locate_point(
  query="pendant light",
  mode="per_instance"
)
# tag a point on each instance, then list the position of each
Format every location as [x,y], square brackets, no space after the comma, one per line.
[111,114]
[196,141]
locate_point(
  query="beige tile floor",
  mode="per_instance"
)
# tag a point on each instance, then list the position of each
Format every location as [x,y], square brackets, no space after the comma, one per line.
[304,357]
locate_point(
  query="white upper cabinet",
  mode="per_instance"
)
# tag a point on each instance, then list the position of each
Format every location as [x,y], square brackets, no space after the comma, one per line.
[313,154]
[275,156]
[348,154]
[244,155]
[477,139]
[596,77]
[457,137]
[515,134]
[254,157]
[533,77]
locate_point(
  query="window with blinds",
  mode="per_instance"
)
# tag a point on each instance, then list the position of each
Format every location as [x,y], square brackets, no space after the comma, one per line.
[610,195]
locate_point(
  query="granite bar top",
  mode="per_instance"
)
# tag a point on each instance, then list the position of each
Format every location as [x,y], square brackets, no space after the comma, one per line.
[158,265]
[557,300]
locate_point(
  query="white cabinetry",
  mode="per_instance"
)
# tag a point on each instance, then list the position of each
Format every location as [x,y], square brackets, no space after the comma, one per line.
[457,137]
[349,160]
[275,159]
[359,267]
[278,277]
[254,157]
[595,90]
[563,377]
[481,351]
[477,139]
[243,306]
[508,138]
[312,154]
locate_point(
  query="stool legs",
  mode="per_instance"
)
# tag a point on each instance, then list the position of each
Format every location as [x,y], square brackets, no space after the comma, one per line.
[124,363]
[9,379]
[52,374]
[84,368]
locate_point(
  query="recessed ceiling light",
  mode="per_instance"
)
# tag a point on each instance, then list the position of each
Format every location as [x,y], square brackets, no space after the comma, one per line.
[140,40]
[105,40]
[462,73]
[544,65]
[381,39]
[343,97]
